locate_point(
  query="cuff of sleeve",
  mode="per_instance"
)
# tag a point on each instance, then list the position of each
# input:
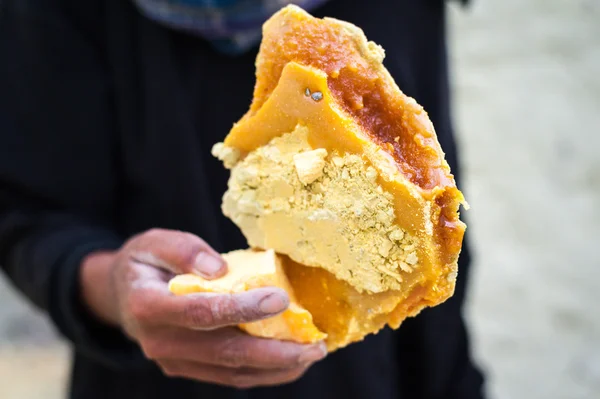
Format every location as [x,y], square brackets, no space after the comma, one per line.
[90,337]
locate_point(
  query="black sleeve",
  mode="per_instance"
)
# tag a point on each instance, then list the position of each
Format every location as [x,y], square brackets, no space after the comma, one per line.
[58,180]
[434,350]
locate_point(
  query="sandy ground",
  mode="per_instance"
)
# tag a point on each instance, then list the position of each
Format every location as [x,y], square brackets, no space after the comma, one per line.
[528,112]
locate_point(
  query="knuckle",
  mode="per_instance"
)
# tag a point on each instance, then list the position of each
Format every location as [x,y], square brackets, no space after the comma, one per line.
[234,353]
[213,311]
[230,309]
[222,308]
[199,314]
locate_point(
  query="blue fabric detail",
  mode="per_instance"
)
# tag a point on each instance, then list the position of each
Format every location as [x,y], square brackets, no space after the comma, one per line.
[232,26]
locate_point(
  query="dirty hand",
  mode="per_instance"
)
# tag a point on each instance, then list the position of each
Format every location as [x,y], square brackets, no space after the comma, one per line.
[190,336]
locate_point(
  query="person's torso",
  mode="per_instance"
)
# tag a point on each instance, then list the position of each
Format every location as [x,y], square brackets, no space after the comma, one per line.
[174,97]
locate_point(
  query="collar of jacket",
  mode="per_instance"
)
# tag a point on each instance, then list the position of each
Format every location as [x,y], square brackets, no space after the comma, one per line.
[231,26]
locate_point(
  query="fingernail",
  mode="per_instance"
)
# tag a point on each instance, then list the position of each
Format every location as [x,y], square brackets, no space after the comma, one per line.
[273,303]
[209,265]
[312,354]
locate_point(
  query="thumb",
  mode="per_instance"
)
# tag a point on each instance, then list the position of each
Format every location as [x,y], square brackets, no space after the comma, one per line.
[177,252]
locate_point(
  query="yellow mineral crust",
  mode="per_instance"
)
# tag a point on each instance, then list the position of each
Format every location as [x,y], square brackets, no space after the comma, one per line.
[341,174]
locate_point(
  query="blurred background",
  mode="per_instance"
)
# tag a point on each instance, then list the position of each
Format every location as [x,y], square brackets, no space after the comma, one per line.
[528,119]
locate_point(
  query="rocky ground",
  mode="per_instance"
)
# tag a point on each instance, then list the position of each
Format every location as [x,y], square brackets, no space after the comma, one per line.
[528,114]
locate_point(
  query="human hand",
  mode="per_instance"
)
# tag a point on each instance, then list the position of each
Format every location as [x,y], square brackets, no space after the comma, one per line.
[192,336]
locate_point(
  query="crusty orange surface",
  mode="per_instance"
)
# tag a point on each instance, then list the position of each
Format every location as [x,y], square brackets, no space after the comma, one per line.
[359,110]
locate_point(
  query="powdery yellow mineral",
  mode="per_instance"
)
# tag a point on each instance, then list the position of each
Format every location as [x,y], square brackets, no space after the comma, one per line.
[340,173]
[343,221]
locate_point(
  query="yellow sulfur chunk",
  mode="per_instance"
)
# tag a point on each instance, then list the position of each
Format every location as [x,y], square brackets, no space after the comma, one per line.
[340,173]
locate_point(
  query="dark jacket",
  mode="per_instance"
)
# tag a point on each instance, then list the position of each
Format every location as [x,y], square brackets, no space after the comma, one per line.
[106,125]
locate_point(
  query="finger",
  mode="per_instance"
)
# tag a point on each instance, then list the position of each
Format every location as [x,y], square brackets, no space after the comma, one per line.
[239,378]
[210,311]
[153,304]
[230,347]
[177,252]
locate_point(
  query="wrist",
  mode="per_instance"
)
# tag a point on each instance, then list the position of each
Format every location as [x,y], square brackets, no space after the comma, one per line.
[96,286]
